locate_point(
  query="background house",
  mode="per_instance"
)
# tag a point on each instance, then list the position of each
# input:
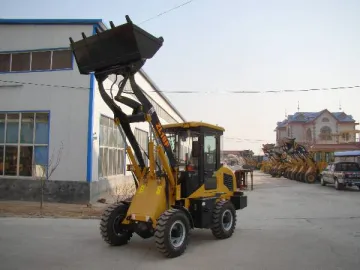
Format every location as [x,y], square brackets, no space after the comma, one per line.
[316,129]
[45,103]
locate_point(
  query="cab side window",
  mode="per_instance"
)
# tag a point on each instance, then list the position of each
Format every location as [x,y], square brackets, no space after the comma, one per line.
[209,153]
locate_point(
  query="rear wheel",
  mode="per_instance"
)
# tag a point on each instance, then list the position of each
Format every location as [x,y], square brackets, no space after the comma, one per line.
[172,233]
[110,226]
[224,220]
[310,178]
[338,186]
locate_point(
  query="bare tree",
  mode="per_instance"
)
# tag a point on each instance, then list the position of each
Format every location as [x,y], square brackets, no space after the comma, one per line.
[123,191]
[43,172]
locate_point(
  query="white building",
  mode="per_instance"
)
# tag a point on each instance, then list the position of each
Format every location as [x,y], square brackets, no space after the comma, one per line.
[321,130]
[45,103]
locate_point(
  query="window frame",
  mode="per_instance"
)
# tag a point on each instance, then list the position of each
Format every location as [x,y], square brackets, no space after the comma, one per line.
[325,133]
[143,143]
[107,147]
[50,69]
[18,144]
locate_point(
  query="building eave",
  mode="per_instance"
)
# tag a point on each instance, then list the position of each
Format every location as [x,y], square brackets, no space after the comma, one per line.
[50,21]
[158,91]
[335,147]
[97,22]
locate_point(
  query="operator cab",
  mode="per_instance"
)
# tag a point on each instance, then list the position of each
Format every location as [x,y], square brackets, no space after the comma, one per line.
[196,147]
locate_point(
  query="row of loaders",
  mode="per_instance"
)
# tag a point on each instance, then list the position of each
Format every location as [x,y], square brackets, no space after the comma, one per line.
[295,161]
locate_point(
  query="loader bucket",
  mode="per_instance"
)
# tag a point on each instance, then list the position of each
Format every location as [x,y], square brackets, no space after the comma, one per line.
[114,48]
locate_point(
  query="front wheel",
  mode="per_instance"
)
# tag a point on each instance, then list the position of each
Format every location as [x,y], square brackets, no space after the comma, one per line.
[224,220]
[338,186]
[323,183]
[172,233]
[110,226]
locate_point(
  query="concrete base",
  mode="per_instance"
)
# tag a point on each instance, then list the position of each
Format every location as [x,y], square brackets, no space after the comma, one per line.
[64,191]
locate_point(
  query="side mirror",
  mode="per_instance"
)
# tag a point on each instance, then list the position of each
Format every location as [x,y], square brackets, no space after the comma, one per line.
[195,152]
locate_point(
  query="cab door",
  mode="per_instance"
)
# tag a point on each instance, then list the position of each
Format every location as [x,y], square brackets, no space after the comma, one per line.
[210,160]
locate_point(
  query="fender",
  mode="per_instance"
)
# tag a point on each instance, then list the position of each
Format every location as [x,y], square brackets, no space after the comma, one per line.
[187,214]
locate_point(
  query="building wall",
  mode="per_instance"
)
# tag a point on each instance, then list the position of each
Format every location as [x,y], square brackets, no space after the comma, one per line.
[350,137]
[323,121]
[68,107]
[281,133]
[28,37]
[140,130]
[297,131]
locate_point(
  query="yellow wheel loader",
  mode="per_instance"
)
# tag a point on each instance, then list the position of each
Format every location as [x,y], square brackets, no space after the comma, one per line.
[176,192]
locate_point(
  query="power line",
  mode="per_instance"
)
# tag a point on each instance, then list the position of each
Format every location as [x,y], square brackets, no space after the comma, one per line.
[262,92]
[190,92]
[235,139]
[166,11]
[242,139]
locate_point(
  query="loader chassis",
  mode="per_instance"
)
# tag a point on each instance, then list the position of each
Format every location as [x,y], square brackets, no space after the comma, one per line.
[184,186]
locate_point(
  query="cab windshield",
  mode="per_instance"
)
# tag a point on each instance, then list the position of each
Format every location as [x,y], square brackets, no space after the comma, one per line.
[182,144]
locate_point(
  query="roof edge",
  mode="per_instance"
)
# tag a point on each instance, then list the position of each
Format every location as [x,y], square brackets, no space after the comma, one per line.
[51,21]
[157,89]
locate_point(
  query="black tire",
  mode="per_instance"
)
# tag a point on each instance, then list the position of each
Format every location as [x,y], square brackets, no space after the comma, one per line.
[109,229]
[310,178]
[224,212]
[164,233]
[322,182]
[339,186]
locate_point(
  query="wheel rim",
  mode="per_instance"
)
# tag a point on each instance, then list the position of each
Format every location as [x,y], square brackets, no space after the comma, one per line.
[227,220]
[311,178]
[177,233]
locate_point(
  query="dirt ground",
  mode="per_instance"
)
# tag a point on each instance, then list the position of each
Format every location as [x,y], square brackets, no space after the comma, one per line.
[60,210]
[56,210]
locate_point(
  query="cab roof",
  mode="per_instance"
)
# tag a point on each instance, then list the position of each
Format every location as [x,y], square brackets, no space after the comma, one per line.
[190,125]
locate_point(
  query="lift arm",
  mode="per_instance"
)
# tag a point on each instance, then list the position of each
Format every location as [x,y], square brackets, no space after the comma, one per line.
[123,50]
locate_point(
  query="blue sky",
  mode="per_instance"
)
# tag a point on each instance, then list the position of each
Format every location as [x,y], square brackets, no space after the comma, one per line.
[213,45]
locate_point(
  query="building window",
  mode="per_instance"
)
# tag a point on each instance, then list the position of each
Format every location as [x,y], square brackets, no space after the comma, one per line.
[5,62]
[309,135]
[20,61]
[24,142]
[41,60]
[36,60]
[325,119]
[345,136]
[325,133]
[62,59]
[142,138]
[112,149]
